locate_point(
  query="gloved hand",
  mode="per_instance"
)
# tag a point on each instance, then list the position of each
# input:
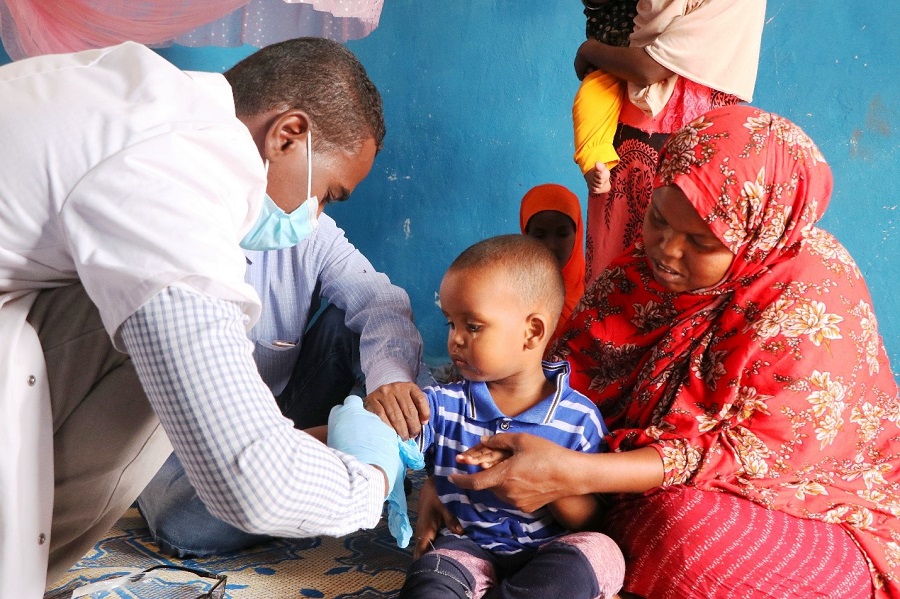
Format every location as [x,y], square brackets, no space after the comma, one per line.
[354,430]
[398,516]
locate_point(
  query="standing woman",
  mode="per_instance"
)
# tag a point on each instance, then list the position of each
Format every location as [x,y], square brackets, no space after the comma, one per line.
[735,355]
[686,57]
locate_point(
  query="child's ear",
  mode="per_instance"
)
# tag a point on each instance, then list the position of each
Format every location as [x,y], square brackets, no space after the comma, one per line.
[536,330]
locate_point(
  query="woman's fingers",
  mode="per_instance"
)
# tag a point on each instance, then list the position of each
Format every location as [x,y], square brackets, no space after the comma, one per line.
[583,66]
[486,479]
[527,479]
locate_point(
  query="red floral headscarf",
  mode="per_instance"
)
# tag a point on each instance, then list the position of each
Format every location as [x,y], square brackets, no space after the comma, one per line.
[775,384]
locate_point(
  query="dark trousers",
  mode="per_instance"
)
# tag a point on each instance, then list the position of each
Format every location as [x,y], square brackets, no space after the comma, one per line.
[326,372]
[459,568]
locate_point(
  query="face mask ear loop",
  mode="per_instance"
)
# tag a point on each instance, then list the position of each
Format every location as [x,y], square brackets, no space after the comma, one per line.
[309,164]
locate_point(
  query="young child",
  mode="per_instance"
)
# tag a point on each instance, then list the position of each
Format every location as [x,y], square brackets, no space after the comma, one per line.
[551,214]
[595,111]
[501,298]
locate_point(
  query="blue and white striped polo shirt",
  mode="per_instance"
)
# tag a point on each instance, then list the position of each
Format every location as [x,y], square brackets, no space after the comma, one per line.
[461,413]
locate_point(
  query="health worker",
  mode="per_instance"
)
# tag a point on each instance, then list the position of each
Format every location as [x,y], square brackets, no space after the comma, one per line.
[130,192]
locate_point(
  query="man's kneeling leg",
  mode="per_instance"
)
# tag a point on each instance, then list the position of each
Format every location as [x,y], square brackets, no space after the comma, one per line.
[179,522]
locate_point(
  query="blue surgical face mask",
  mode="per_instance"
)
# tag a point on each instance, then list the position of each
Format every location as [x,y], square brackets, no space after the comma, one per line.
[275,229]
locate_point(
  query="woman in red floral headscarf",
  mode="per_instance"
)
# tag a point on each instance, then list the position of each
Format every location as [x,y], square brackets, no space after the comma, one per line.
[735,356]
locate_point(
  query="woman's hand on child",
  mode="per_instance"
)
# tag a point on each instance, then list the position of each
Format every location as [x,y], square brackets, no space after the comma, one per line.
[583,65]
[536,473]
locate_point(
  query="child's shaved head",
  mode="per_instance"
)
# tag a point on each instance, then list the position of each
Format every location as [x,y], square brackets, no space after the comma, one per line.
[526,265]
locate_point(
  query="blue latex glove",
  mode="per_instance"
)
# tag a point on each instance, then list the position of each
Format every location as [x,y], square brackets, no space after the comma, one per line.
[354,430]
[398,517]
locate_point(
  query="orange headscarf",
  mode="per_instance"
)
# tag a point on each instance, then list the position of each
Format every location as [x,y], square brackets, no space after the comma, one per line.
[551,196]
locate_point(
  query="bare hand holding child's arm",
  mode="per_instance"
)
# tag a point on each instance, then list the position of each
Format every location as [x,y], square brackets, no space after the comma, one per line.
[598,179]
[403,406]
[578,512]
[629,64]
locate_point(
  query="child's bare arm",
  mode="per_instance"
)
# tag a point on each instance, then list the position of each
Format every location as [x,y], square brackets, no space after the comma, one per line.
[578,512]
[318,432]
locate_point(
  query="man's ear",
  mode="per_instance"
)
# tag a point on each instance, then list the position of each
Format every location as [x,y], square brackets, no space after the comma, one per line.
[536,330]
[286,134]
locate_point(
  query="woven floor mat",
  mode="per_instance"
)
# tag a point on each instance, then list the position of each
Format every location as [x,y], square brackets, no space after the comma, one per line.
[365,565]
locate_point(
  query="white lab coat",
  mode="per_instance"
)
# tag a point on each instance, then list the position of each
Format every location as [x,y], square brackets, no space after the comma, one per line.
[129,175]
[123,172]
[26,447]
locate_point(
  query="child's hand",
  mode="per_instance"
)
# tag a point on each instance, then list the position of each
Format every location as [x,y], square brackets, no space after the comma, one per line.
[432,516]
[484,457]
[598,179]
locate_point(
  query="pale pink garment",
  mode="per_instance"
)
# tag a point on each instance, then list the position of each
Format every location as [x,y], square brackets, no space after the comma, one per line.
[714,43]
[33,27]
[687,101]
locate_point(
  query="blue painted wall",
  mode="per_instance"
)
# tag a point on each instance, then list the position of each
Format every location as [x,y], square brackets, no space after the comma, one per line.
[478,97]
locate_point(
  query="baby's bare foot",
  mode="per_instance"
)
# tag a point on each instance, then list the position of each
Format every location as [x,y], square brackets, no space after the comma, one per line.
[598,179]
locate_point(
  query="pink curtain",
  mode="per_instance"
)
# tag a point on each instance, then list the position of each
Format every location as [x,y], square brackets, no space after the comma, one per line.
[32,27]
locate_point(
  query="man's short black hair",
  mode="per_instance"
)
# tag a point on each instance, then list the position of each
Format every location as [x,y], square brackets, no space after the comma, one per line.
[318,76]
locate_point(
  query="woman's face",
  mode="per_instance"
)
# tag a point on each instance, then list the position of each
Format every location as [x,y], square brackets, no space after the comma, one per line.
[683,252]
[556,231]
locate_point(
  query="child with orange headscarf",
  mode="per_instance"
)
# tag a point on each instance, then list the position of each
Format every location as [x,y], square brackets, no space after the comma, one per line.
[552,214]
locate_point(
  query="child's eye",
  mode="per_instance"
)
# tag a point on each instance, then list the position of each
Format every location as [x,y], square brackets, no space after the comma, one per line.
[473,328]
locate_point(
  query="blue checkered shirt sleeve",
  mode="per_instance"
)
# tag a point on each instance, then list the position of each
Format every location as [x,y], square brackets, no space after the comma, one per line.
[249,465]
